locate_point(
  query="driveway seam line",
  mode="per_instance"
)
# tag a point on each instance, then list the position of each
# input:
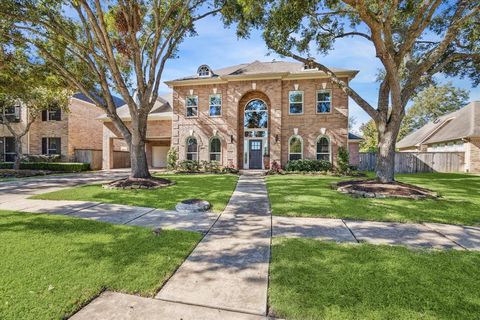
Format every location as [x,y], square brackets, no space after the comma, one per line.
[445,236]
[78,210]
[210,307]
[127,222]
[351,232]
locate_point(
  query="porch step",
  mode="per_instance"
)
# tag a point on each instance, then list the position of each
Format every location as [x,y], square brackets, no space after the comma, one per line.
[253,172]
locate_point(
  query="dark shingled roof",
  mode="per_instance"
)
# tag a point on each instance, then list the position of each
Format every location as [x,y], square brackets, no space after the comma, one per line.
[257,67]
[80,96]
[352,136]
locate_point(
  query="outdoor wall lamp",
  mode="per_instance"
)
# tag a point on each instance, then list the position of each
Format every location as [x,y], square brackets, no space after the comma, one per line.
[276,138]
[231,138]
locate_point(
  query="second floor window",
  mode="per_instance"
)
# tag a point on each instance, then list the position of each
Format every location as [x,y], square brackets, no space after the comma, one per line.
[296,102]
[11,113]
[215,105]
[192,106]
[52,114]
[51,146]
[324,101]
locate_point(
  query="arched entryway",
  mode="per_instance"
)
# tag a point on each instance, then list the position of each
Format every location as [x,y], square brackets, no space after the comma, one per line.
[254,118]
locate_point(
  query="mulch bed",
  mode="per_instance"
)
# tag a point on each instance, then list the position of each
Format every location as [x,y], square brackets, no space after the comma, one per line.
[11,173]
[376,189]
[139,183]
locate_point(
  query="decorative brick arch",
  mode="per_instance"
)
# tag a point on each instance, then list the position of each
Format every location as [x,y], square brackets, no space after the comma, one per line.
[247,97]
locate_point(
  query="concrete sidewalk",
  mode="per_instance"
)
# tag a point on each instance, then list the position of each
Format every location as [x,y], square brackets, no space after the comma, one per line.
[425,235]
[228,269]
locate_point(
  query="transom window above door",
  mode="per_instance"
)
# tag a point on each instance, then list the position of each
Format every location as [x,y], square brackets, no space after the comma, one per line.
[256,115]
[295,99]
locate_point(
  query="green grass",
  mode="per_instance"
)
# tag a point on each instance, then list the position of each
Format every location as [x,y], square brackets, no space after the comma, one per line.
[216,189]
[77,259]
[310,279]
[311,196]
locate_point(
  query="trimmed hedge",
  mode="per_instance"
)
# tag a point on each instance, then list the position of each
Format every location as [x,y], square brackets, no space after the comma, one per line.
[50,166]
[308,165]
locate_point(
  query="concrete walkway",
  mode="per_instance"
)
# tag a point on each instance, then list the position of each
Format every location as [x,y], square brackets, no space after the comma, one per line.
[229,268]
[427,235]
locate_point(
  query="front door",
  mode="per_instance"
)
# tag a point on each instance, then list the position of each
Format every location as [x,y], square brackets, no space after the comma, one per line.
[255,154]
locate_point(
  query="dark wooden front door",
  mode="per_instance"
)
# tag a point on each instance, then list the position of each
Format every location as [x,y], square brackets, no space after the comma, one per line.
[255,154]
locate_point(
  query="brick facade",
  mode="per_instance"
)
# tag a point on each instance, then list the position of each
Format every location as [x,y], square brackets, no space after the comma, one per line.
[77,129]
[281,125]
[472,156]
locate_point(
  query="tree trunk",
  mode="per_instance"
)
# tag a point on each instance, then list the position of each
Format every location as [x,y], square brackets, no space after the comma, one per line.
[138,156]
[18,153]
[385,167]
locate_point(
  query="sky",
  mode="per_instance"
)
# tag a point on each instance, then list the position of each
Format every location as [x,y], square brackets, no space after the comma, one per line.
[218,46]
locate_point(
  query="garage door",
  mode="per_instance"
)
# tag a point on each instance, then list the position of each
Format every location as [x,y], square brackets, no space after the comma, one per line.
[159,157]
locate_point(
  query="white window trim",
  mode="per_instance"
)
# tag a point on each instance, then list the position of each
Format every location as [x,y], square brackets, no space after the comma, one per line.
[316,101]
[209,74]
[50,111]
[289,102]
[187,106]
[301,146]
[188,152]
[329,147]
[210,105]
[210,148]
[5,153]
[249,111]
[48,146]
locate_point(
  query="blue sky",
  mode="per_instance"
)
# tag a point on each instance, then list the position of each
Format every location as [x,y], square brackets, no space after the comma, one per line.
[219,47]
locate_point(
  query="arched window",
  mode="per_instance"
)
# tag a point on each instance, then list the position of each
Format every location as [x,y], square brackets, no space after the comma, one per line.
[204,71]
[256,115]
[215,149]
[323,149]
[295,148]
[192,149]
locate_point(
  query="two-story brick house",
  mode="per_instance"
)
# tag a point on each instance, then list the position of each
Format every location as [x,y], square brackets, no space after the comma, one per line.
[248,113]
[55,132]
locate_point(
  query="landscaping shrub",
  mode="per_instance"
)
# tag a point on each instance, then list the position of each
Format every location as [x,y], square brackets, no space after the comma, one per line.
[308,165]
[211,166]
[49,166]
[230,169]
[189,166]
[343,161]
[172,158]
[41,158]
[275,168]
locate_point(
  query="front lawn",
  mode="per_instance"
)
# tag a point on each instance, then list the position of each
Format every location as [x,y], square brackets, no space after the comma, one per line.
[215,188]
[52,265]
[310,279]
[311,196]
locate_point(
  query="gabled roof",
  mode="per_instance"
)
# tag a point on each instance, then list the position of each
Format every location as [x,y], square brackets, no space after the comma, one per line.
[162,110]
[258,68]
[463,123]
[116,100]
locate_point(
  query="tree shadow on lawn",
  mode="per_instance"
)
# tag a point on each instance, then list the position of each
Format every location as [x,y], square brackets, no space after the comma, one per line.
[80,258]
[314,197]
[322,280]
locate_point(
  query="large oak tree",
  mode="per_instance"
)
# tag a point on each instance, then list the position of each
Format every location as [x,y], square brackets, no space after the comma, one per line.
[413,39]
[108,47]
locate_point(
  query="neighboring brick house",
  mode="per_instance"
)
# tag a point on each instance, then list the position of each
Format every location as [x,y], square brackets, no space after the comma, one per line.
[56,131]
[246,114]
[354,148]
[458,131]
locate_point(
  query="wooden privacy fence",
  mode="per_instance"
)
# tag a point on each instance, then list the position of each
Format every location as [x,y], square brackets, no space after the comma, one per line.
[121,159]
[413,162]
[94,157]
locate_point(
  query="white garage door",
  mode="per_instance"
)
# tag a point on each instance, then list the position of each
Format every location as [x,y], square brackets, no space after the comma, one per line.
[159,157]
